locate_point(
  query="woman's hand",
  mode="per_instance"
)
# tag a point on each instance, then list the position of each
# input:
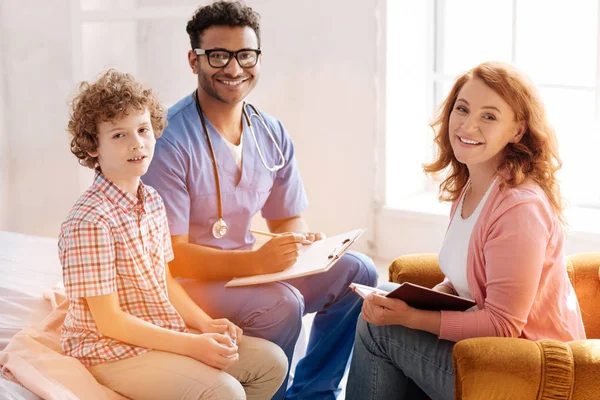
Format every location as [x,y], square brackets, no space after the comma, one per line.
[379,310]
[223,326]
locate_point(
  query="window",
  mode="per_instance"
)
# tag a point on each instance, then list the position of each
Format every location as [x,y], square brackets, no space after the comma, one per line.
[429,43]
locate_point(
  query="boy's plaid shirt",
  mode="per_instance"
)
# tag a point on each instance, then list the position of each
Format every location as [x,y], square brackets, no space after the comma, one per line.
[111,242]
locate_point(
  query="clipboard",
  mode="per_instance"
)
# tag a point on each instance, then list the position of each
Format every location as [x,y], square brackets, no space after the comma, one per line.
[312,259]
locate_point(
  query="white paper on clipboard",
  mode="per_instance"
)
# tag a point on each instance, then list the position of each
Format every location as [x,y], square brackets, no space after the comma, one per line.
[312,259]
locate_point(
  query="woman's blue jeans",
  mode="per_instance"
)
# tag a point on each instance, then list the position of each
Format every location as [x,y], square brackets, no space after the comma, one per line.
[395,362]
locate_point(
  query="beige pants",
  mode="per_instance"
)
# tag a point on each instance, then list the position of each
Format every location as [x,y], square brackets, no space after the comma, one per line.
[161,375]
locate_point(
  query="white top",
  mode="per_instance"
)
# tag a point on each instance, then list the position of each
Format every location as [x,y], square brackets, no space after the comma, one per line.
[453,254]
[236,152]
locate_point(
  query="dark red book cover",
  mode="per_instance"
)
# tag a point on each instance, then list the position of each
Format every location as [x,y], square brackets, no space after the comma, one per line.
[428,299]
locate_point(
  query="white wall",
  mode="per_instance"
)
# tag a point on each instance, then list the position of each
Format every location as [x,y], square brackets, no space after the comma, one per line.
[318,77]
[36,83]
[3,147]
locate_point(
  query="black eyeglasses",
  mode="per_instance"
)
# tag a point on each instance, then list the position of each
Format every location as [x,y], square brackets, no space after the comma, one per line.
[220,58]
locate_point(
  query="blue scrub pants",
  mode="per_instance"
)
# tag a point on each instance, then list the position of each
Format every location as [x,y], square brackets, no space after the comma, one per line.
[274,311]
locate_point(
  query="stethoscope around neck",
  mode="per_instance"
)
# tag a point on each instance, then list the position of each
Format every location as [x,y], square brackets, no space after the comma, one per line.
[220,228]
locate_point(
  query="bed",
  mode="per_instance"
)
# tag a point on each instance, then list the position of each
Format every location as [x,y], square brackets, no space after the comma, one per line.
[29,266]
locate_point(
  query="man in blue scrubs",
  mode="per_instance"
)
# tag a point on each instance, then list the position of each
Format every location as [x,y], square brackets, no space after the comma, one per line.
[225,39]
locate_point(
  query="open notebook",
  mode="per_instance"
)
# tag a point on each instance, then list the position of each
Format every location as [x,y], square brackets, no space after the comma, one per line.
[312,259]
[419,297]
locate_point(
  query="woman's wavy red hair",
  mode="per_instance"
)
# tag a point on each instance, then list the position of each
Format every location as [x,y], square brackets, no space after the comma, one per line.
[535,156]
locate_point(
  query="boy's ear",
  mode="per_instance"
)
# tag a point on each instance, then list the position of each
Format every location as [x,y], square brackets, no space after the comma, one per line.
[92,139]
[521,129]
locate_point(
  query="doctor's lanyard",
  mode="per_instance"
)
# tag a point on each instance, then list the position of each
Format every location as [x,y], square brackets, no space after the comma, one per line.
[220,228]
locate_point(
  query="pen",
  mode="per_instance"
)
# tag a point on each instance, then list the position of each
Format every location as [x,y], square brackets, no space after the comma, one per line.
[257,232]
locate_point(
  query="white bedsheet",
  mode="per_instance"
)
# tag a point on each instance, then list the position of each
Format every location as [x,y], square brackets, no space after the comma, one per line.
[29,265]
[11,391]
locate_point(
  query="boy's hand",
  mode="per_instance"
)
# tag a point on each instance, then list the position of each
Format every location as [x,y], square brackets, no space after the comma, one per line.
[225,327]
[213,349]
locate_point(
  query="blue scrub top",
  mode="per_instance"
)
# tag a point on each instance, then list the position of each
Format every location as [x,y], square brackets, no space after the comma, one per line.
[182,172]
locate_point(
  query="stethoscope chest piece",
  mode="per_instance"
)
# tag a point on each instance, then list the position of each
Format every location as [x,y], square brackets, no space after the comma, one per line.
[220,229]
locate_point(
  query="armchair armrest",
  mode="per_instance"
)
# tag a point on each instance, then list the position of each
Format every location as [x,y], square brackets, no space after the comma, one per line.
[586,354]
[583,270]
[420,269]
[507,368]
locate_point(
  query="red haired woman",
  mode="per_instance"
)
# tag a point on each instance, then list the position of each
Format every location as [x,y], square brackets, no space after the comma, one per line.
[503,247]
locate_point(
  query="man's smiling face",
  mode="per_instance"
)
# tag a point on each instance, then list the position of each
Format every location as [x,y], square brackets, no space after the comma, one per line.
[232,83]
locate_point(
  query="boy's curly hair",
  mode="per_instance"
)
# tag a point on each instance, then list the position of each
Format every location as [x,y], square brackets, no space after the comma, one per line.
[108,99]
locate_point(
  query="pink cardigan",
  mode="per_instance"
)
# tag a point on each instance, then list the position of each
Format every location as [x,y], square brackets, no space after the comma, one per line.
[516,272]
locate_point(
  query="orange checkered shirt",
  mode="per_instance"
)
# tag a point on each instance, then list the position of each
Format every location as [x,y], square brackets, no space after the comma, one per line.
[112,241]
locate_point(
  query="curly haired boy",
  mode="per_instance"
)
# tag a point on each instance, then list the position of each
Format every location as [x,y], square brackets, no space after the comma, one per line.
[129,321]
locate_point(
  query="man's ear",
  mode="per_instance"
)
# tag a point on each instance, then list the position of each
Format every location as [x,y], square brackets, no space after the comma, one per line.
[521,129]
[193,61]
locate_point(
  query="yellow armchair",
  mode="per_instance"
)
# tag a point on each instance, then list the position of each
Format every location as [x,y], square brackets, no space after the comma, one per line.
[508,368]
